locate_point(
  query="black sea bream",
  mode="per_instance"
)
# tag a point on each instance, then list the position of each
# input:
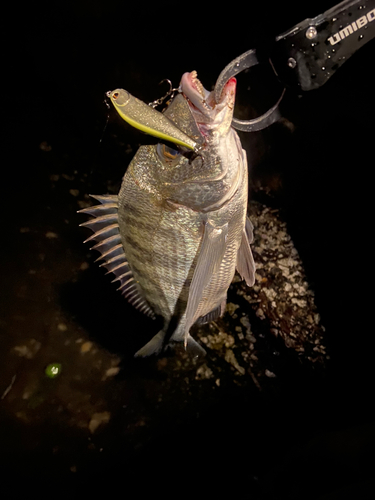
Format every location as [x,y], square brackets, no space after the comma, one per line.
[178,230]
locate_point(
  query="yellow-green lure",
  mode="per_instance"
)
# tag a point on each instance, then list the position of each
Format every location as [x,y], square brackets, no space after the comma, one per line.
[147,119]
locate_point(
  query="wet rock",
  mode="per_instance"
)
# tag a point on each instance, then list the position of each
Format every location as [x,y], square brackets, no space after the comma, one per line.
[51,235]
[111,372]
[98,419]
[86,347]
[29,349]
[44,146]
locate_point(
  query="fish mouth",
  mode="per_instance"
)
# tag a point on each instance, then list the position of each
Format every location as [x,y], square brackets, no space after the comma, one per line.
[202,99]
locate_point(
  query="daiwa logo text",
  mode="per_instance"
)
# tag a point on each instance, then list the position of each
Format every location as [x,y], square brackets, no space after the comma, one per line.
[351,28]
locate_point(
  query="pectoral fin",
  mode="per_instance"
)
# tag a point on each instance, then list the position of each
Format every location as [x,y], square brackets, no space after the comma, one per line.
[249,230]
[210,256]
[245,262]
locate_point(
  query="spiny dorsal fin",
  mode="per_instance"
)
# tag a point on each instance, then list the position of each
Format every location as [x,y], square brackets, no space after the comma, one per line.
[100,221]
[108,243]
[98,210]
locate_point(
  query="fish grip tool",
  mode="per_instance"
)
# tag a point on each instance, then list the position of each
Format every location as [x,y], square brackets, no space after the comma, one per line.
[241,63]
[306,56]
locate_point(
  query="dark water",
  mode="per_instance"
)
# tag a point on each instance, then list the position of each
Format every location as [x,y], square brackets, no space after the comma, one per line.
[305,435]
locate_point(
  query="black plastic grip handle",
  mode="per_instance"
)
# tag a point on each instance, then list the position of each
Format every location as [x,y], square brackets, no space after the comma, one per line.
[307,55]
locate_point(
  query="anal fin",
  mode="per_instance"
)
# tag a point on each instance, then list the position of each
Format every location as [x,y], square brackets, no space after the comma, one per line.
[211,316]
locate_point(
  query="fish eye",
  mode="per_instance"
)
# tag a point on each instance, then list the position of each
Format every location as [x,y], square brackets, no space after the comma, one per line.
[115,95]
[169,153]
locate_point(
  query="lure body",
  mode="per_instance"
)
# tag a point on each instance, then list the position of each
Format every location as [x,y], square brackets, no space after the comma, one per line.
[149,120]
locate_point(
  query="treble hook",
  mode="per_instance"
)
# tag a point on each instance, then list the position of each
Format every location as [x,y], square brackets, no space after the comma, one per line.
[170,92]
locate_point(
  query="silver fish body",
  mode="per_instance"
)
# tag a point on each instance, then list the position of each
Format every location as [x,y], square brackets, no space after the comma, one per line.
[181,229]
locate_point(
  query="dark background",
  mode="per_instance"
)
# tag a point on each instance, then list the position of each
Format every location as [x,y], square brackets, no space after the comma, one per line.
[62,58]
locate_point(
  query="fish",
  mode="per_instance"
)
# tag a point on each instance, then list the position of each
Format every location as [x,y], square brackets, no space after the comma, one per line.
[178,229]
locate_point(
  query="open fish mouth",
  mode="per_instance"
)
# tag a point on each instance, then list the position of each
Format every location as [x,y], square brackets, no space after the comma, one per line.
[204,100]
[197,86]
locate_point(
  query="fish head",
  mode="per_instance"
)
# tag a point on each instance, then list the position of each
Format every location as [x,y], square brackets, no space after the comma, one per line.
[210,116]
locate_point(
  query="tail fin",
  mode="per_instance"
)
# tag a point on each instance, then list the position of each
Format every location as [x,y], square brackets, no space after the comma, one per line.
[194,349]
[154,346]
[157,343]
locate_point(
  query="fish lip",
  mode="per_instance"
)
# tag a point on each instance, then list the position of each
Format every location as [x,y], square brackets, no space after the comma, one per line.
[204,100]
[198,96]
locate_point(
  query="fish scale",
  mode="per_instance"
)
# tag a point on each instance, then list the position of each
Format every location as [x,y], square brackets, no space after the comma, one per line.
[136,227]
[175,247]
[221,280]
[177,231]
